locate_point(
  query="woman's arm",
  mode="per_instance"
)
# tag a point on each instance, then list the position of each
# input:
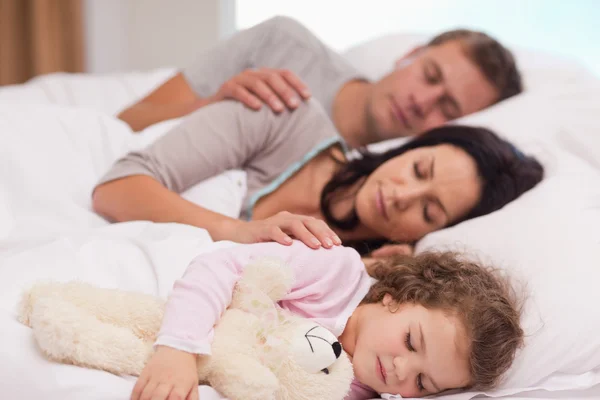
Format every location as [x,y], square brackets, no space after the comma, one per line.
[145,185]
[141,197]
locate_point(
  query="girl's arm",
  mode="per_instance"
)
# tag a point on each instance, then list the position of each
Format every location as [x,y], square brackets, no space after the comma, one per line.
[326,281]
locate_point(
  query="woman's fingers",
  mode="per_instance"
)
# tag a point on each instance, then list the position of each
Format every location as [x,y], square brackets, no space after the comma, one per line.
[241,94]
[262,89]
[282,88]
[277,235]
[296,83]
[323,233]
[298,229]
[274,87]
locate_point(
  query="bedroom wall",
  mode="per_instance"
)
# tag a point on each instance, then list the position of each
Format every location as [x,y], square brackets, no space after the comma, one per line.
[569,28]
[145,34]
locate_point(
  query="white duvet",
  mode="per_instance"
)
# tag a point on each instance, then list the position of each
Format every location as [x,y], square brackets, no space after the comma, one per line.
[57,137]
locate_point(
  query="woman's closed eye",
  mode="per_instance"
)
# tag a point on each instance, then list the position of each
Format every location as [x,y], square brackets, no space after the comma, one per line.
[420,175]
[426,214]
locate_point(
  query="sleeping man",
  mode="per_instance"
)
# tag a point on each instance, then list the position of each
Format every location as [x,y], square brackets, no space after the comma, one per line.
[280,62]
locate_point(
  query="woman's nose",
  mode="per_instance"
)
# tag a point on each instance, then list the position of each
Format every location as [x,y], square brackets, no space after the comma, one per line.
[403,197]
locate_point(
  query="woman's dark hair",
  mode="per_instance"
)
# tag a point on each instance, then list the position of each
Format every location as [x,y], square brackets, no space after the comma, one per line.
[505,173]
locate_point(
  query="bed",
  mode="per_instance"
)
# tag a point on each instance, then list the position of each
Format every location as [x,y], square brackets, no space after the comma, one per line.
[58,134]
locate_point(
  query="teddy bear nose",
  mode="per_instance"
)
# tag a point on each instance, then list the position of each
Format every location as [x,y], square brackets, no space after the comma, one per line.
[337,349]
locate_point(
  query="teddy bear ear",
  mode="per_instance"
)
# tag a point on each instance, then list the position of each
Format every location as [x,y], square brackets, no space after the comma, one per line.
[314,348]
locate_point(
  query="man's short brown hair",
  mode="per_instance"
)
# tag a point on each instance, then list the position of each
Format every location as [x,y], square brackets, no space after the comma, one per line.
[495,61]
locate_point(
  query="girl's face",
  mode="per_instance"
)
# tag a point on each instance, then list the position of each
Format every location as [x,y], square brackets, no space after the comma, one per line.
[411,350]
[418,192]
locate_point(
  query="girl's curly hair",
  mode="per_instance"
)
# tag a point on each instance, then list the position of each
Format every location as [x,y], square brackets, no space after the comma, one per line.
[481,298]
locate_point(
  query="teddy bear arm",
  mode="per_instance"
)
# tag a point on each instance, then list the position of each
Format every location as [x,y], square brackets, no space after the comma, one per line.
[242,377]
[69,334]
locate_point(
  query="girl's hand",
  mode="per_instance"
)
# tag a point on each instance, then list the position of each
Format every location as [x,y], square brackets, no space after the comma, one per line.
[170,374]
[280,227]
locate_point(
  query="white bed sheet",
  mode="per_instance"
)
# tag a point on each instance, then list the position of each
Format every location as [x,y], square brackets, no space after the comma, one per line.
[47,236]
[140,256]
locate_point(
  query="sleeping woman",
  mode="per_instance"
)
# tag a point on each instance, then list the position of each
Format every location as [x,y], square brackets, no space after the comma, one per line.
[301,183]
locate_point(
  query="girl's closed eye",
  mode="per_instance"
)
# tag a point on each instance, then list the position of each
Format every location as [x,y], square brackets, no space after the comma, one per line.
[410,347]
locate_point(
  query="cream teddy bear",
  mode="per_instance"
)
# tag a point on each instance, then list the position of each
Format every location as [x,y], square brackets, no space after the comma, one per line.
[259,350]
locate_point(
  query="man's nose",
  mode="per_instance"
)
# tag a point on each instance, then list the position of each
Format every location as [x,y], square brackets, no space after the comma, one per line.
[425,100]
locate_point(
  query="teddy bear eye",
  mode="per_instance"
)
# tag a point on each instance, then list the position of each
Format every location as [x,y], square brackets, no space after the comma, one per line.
[325,370]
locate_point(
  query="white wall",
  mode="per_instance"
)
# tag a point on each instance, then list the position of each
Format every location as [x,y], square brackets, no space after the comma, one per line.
[143,34]
[567,27]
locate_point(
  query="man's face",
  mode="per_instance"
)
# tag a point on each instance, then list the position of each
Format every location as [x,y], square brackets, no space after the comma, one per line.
[431,86]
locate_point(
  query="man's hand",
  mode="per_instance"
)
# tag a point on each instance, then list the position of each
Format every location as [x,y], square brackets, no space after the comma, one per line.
[170,374]
[278,88]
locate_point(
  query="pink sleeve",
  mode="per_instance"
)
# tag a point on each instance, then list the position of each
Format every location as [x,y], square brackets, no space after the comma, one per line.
[325,280]
[360,392]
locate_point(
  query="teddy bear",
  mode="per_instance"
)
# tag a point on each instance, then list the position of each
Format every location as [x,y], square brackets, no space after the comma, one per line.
[259,350]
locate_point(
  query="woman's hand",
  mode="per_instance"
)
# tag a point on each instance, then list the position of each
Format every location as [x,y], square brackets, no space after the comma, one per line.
[170,374]
[280,228]
[278,88]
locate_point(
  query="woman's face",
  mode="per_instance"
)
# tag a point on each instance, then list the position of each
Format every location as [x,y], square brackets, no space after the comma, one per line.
[418,192]
[411,350]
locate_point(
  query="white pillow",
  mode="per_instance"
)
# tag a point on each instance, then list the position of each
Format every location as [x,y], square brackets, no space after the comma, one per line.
[109,93]
[550,240]
[550,237]
[51,157]
[376,57]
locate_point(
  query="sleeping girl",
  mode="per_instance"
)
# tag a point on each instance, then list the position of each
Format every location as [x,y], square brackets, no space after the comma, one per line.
[412,326]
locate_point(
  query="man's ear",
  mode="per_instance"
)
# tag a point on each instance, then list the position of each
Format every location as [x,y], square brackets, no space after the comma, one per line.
[408,57]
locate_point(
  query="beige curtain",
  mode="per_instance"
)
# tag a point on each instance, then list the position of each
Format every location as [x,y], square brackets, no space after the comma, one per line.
[38,37]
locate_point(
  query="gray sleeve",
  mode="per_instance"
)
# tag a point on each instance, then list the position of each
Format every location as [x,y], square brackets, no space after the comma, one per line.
[280,42]
[228,58]
[219,137]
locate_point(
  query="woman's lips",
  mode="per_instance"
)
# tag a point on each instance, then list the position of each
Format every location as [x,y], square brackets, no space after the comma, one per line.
[381,203]
[381,371]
